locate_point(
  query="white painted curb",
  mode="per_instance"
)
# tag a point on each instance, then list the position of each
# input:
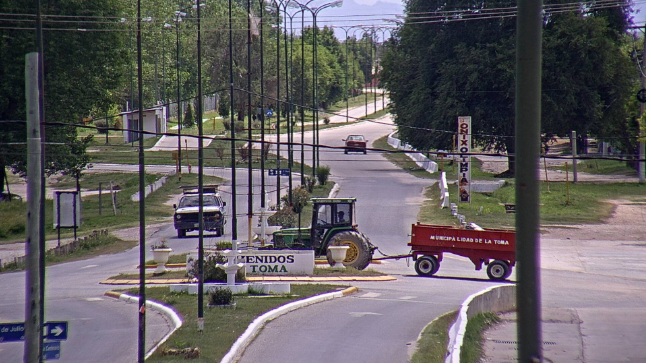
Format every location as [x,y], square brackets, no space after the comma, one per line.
[171,314]
[240,344]
[458,329]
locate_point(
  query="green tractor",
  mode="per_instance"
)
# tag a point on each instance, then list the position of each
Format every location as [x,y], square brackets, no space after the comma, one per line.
[333,223]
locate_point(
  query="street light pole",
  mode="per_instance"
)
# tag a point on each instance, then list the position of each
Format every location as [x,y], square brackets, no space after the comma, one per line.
[200,319]
[302,97]
[315,104]
[262,109]
[346,29]
[179,125]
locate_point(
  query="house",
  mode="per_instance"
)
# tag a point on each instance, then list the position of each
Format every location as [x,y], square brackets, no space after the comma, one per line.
[155,123]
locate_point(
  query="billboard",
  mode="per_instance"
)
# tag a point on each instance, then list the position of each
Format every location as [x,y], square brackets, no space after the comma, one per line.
[464,144]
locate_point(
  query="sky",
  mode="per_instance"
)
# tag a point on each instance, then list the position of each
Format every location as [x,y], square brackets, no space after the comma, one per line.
[381,12]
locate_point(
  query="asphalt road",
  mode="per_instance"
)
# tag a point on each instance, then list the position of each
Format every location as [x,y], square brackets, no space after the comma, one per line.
[381,322]
[100,329]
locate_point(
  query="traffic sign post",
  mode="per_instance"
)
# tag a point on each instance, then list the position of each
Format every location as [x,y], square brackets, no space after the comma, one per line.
[55,331]
[52,350]
[10,332]
[52,331]
[283,172]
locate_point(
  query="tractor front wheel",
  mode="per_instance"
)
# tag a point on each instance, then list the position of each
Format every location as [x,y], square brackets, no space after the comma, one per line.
[358,254]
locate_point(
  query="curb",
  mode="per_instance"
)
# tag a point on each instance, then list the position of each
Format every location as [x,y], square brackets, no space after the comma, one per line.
[170,313]
[245,339]
[492,299]
[251,331]
[122,282]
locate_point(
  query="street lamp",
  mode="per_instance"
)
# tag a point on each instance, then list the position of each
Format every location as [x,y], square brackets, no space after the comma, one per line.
[383,29]
[178,17]
[315,134]
[278,4]
[346,29]
[289,65]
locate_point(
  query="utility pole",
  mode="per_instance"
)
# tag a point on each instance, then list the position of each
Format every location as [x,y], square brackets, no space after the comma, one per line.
[32,251]
[527,191]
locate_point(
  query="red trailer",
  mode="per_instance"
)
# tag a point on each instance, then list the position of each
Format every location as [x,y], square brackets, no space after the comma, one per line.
[493,247]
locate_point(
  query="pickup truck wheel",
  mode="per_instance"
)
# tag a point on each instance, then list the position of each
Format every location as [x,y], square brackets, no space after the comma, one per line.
[498,270]
[180,233]
[427,265]
[358,254]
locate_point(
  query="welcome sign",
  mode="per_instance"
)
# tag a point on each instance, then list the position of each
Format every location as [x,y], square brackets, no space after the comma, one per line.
[277,262]
[464,142]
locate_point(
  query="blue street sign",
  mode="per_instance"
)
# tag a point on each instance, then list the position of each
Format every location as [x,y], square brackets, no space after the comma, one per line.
[15,331]
[52,350]
[283,172]
[12,332]
[269,112]
[55,330]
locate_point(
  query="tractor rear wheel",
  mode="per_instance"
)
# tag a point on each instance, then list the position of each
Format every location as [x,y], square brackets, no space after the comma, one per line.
[358,254]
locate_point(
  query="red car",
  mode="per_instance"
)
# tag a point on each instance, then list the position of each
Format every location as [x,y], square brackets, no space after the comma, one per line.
[355,143]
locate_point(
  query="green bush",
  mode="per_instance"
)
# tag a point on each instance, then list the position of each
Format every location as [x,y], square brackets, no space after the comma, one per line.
[322,174]
[188,118]
[221,296]
[300,198]
[310,182]
[284,217]
[239,126]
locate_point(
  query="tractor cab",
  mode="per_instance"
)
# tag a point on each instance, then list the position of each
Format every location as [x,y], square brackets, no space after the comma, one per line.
[332,214]
[333,223]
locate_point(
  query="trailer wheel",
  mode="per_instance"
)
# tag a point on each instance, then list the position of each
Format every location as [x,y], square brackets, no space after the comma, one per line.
[358,254]
[427,265]
[498,270]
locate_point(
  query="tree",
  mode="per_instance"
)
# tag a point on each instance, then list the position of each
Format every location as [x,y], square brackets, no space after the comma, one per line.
[70,92]
[188,117]
[436,71]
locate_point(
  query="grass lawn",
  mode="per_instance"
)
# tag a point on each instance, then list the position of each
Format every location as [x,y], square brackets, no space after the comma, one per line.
[560,203]
[432,345]
[90,248]
[126,211]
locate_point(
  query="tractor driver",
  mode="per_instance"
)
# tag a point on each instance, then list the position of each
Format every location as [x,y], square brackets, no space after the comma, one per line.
[341,217]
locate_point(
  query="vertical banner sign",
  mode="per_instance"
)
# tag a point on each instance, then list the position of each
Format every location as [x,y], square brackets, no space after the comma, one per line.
[464,136]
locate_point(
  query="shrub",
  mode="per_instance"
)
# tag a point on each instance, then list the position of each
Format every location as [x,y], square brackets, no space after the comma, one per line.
[239,126]
[310,182]
[326,120]
[322,174]
[102,126]
[188,118]
[284,217]
[221,296]
[300,198]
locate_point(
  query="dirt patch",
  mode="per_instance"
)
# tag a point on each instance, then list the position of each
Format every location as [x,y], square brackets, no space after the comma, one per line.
[627,222]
